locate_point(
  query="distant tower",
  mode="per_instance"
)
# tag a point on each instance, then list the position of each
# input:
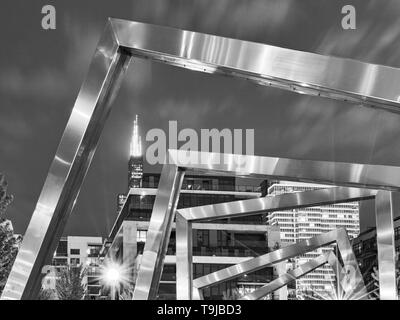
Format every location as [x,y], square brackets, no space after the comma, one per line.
[136,158]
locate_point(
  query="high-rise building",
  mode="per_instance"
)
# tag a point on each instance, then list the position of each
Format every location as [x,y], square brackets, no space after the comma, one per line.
[301,224]
[136,158]
[216,245]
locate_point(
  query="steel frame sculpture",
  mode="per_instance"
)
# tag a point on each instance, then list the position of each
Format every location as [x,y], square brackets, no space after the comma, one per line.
[186,288]
[357,290]
[302,270]
[185,218]
[376,177]
[307,73]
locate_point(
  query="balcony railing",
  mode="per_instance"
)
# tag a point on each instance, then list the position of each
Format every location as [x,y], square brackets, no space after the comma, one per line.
[207,187]
[229,251]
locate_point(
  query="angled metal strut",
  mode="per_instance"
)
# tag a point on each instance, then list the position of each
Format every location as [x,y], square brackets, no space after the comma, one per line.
[374,86]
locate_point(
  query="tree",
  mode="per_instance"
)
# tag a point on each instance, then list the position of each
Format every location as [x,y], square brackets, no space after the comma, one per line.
[9,243]
[5,199]
[47,294]
[69,283]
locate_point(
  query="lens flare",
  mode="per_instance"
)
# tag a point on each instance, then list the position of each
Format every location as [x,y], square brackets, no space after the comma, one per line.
[114,274]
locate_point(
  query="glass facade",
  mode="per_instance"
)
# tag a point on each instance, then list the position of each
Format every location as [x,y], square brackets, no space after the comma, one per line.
[301,224]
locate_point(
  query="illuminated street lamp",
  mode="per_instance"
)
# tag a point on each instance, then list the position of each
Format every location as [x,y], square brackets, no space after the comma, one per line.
[113,275]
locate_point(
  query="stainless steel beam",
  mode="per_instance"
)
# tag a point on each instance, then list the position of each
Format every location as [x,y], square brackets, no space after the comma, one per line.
[385,207]
[185,217]
[286,278]
[268,259]
[197,294]
[338,270]
[352,280]
[301,271]
[147,192]
[285,201]
[184,258]
[301,72]
[68,169]
[356,291]
[151,265]
[322,172]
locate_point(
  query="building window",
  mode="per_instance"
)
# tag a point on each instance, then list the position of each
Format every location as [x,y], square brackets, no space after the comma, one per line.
[60,261]
[203,238]
[357,248]
[141,235]
[93,250]
[397,233]
[62,248]
[75,251]
[75,261]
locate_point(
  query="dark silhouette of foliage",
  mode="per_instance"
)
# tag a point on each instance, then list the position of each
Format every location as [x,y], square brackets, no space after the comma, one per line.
[9,243]
[5,199]
[47,294]
[69,283]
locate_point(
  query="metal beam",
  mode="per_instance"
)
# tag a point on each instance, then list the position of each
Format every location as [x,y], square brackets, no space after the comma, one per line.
[302,72]
[285,201]
[352,280]
[342,275]
[286,278]
[385,207]
[184,258]
[163,214]
[274,257]
[344,174]
[338,270]
[68,169]
[185,218]
[297,71]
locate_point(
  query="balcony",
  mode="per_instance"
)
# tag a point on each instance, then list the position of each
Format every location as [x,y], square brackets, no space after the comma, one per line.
[229,251]
[209,187]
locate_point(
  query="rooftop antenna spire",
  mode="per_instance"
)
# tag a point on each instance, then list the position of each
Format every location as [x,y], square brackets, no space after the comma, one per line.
[136,142]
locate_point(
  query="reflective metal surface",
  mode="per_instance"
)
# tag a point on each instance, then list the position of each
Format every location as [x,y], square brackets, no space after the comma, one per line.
[340,275]
[185,218]
[184,259]
[385,207]
[301,72]
[298,71]
[285,201]
[68,168]
[163,214]
[351,279]
[323,172]
[286,278]
[278,256]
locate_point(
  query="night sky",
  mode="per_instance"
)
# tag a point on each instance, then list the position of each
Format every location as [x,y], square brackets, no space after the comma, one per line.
[41,73]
